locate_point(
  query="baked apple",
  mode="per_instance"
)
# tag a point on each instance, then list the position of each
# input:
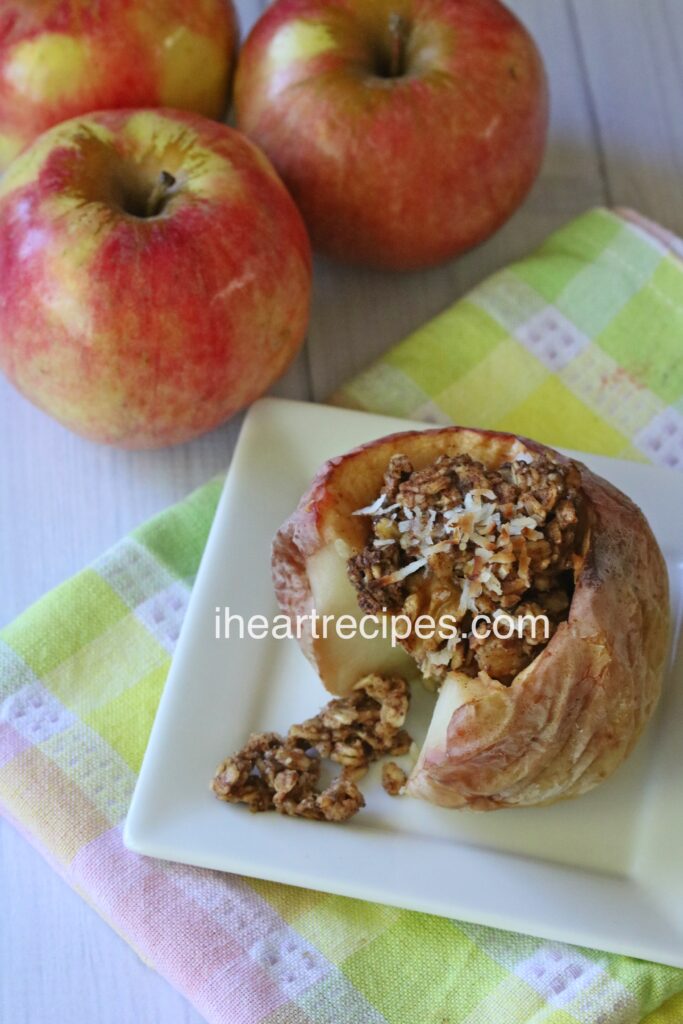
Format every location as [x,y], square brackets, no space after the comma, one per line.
[529,591]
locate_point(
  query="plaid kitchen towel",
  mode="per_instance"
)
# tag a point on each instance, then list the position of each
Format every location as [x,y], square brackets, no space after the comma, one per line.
[580,345]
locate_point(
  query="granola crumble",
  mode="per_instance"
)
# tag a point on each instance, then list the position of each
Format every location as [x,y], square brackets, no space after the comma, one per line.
[273,772]
[393,778]
[458,539]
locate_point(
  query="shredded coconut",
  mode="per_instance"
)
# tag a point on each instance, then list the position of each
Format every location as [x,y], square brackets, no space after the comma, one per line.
[373,509]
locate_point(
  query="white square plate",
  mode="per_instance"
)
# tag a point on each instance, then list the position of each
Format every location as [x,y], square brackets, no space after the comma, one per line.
[605,870]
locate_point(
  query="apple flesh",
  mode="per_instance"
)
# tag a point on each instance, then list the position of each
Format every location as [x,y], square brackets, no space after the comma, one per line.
[60,58]
[154,275]
[406,130]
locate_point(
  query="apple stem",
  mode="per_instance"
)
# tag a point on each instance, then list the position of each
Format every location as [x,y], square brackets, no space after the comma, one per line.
[398,35]
[160,193]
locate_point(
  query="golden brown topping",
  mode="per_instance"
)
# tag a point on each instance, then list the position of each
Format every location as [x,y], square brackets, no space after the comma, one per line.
[273,772]
[456,540]
[393,778]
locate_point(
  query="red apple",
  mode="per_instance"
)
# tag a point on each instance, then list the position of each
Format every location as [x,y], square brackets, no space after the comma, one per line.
[406,130]
[154,275]
[59,58]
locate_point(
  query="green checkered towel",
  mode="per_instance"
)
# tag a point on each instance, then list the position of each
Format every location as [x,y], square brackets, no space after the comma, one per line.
[581,345]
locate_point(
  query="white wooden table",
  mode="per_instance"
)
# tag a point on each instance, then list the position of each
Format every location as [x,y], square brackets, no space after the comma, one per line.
[616,74]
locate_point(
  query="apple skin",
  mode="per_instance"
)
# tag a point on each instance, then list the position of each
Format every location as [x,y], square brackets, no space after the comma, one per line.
[396,172]
[146,331]
[60,58]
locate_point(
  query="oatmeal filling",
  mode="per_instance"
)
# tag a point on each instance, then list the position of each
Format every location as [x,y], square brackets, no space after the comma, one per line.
[456,540]
[274,772]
